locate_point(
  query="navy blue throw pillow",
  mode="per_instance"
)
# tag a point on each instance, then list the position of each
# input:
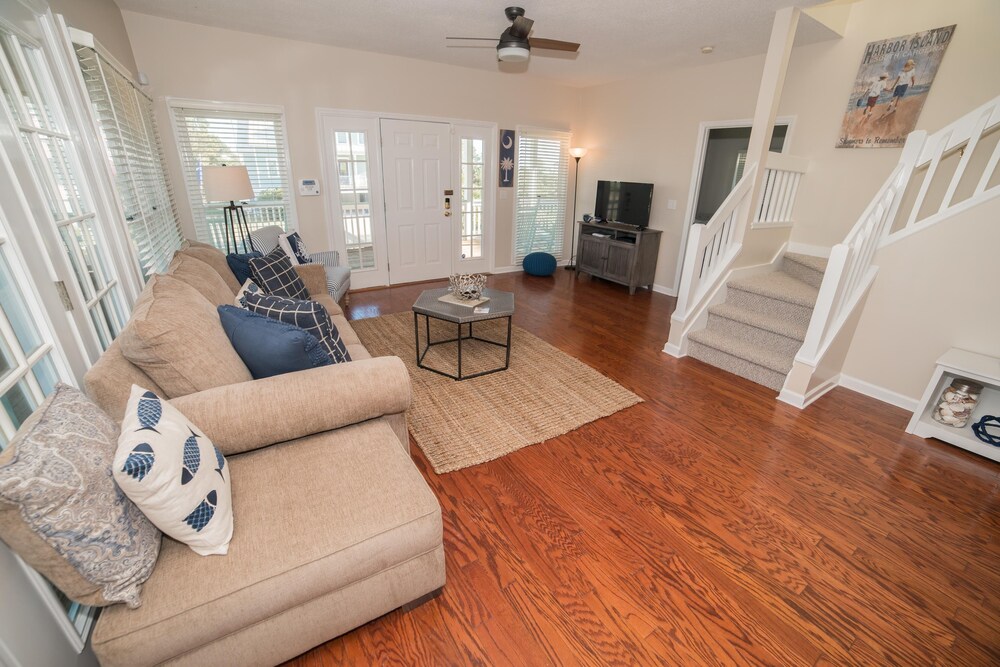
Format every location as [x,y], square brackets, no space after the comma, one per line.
[307,315]
[240,265]
[270,347]
[275,275]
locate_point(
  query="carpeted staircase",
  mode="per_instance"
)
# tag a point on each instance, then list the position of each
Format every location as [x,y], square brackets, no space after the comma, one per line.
[760,327]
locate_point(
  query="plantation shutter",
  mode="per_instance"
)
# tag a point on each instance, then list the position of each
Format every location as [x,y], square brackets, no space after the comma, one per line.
[542,177]
[213,137]
[127,124]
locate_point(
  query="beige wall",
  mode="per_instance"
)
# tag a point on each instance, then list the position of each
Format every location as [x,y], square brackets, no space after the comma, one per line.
[188,60]
[103,19]
[646,129]
[935,289]
[820,77]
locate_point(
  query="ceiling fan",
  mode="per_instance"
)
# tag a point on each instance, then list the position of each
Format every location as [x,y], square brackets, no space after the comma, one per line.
[514,44]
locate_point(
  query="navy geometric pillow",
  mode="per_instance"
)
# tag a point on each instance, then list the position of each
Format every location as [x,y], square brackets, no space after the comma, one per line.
[275,275]
[240,265]
[308,315]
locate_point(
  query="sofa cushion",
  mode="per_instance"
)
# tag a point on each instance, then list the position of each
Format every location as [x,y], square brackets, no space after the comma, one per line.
[239,264]
[202,277]
[61,511]
[276,275]
[308,315]
[174,473]
[176,338]
[216,259]
[271,347]
[315,515]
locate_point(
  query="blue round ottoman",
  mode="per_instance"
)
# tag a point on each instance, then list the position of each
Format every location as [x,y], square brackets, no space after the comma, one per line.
[539,264]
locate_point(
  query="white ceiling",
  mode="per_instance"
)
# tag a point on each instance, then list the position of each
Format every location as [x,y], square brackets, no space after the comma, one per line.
[619,39]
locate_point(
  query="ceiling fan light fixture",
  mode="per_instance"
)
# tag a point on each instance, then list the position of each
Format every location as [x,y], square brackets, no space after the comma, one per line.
[512,53]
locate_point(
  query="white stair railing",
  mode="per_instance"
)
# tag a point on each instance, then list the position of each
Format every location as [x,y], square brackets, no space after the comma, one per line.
[963,135]
[850,269]
[713,248]
[779,190]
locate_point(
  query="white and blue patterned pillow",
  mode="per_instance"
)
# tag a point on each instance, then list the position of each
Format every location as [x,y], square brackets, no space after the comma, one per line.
[61,511]
[275,274]
[308,315]
[174,473]
[295,248]
[249,287]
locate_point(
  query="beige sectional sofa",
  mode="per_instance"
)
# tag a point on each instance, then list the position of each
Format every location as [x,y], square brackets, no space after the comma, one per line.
[334,525]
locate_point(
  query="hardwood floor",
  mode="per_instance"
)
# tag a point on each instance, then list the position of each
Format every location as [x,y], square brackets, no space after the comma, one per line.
[710,524]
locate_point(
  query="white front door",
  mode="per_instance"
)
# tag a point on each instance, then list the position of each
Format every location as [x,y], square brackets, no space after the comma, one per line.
[416,168]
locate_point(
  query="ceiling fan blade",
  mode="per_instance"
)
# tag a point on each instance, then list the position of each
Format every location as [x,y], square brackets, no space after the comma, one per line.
[521,27]
[481,39]
[553,44]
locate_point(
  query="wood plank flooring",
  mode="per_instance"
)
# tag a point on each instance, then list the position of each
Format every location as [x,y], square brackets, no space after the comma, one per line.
[710,525]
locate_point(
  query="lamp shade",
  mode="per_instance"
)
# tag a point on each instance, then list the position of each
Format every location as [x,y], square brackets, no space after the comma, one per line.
[512,53]
[227,183]
[578,152]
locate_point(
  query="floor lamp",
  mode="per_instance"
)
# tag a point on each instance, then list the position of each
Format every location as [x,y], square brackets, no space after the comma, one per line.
[577,153]
[230,184]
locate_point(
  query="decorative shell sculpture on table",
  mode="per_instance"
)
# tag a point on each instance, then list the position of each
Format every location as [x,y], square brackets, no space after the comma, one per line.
[467,286]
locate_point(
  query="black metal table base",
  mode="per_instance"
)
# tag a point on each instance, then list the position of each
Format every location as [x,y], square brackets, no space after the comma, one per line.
[458,338]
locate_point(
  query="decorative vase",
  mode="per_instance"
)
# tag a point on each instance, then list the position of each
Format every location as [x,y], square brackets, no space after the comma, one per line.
[467,286]
[957,403]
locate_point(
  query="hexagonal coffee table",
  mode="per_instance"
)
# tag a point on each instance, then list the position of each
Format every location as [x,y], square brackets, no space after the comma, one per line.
[500,305]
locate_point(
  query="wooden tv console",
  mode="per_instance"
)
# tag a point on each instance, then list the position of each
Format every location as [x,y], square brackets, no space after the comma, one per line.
[622,254]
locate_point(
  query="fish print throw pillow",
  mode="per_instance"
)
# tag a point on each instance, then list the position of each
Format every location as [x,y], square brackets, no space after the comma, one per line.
[174,474]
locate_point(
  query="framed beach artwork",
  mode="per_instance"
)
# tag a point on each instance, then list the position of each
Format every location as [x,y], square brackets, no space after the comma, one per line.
[891,87]
[506,170]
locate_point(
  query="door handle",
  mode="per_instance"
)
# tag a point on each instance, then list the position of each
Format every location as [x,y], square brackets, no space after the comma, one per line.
[447,206]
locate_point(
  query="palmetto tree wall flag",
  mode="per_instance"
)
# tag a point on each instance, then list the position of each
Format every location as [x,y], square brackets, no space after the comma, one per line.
[506,171]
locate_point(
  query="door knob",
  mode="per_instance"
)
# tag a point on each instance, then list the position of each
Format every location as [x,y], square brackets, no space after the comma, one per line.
[447,206]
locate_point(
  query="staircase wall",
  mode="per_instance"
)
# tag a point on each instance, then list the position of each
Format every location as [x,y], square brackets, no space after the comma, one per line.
[843,181]
[936,289]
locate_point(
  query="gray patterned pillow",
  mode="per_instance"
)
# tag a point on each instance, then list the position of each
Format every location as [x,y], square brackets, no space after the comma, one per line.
[61,511]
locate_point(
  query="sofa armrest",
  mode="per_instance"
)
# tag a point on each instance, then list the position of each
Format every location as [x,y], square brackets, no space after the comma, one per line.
[314,277]
[250,415]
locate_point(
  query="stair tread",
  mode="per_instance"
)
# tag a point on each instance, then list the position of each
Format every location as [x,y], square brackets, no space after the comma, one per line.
[810,261]
[778,325]
[778,285]
[776,361]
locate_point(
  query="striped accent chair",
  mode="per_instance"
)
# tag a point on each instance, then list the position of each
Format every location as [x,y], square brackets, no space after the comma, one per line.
[338,278]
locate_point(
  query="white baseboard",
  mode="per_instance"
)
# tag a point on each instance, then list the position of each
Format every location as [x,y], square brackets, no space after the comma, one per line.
[880,393]
[806,249]
[506,269]
[802,401]
[673,350]
[663,289]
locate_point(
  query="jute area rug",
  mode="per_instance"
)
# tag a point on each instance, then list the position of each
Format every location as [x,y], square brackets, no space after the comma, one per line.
[544,393]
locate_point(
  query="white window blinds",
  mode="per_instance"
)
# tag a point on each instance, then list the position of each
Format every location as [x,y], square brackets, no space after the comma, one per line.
[542,176]
[127,124]
[213,136]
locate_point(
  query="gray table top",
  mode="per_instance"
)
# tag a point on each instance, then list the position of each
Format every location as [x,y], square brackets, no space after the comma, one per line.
[501,304]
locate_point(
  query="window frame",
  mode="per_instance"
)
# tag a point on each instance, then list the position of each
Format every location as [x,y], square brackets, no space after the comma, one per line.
[175,103]
[565,138]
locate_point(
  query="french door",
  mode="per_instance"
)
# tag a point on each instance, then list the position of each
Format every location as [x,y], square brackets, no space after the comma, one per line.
[419,199]
[388,182]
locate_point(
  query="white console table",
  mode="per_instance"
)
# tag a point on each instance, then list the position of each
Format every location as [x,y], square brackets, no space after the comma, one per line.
[970,366]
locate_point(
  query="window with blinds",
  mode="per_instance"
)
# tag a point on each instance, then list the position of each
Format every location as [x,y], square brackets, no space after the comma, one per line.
[210,136]
[542,177]
[125,116]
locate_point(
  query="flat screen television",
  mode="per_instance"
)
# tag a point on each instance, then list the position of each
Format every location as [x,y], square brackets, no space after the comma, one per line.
[620,201]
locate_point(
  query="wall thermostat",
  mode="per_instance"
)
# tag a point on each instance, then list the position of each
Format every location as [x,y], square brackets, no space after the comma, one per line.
[308,187]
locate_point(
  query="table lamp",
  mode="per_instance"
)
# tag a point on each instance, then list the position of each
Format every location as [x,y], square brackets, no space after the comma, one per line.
[232,184]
